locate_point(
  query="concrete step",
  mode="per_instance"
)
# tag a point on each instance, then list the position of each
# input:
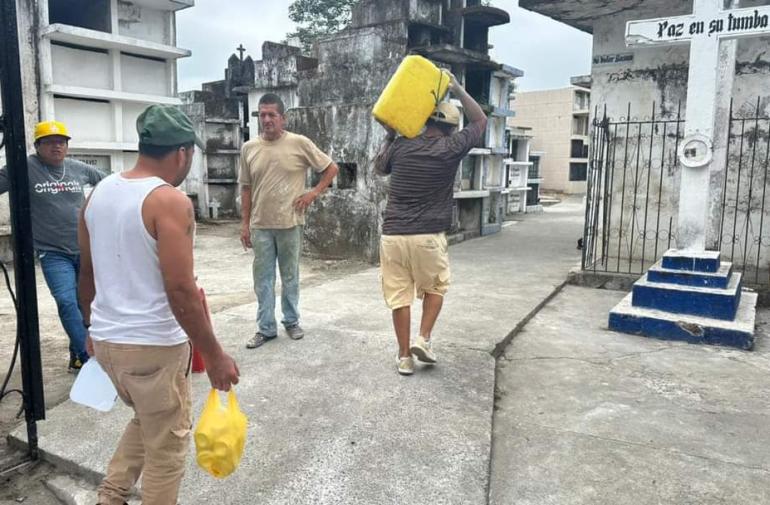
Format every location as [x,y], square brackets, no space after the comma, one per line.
[703,261]
[664,325]
[719,279]
[70,491]
[715,303]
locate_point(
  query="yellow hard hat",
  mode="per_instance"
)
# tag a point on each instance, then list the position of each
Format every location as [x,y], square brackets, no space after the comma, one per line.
[50,128]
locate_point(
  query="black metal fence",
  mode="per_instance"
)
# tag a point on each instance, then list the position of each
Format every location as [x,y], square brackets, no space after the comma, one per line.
[633,192]
[744,231]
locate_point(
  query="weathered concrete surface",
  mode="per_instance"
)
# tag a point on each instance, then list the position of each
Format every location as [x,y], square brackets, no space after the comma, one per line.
[74,492]
[222,266]
[330,420]
[589,416]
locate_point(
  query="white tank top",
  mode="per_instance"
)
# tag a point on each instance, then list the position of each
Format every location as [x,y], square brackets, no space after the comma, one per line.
[131,306]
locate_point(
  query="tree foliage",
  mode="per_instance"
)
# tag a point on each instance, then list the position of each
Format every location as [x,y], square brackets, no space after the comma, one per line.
[316,18]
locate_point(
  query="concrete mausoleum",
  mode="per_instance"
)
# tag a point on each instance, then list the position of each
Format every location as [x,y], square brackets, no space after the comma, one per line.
[330,94]
[212,182]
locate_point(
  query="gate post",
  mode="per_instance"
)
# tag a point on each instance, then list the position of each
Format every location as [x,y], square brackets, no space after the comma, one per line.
[27,331]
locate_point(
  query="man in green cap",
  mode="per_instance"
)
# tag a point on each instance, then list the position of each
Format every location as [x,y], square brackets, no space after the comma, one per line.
[142,307]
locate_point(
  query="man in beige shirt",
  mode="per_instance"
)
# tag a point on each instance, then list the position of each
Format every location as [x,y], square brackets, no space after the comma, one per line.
[273,203]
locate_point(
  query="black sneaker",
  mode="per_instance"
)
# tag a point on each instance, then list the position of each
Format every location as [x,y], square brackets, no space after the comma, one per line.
[257,340]
[75,364]
[295,332]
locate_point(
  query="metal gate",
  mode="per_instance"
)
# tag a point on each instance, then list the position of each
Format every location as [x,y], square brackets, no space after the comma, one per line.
[744,232]
[633,192]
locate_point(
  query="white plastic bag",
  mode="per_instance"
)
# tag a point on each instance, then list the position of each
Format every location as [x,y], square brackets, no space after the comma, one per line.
[93,388]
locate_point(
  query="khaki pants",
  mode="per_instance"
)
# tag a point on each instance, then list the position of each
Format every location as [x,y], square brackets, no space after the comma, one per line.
[413,264]
[155,382]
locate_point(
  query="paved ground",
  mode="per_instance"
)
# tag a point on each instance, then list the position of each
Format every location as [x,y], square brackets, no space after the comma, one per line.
[588,416]
[222,267]
[330,419]
[571,414]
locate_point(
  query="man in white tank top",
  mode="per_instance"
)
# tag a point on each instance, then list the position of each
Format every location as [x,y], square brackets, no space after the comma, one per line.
[141,304]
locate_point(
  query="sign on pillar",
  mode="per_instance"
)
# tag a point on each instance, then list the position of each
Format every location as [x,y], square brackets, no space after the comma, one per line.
[707,29]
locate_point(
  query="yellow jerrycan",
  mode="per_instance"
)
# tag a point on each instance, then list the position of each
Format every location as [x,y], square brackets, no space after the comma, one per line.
[412,94]
[220,435]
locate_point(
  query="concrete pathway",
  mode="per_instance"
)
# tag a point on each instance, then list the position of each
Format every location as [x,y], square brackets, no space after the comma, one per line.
[331,422]
[591,417]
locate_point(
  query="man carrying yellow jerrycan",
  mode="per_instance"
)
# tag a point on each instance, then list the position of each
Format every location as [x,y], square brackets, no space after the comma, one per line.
[413,248]
[139,297]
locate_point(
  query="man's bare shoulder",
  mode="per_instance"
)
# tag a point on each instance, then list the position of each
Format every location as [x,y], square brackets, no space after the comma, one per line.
[167,198]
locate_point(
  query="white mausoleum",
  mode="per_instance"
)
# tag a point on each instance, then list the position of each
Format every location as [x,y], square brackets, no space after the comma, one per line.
[96,65]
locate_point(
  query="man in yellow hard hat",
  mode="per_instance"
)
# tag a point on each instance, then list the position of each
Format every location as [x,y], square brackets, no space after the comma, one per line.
[56,189]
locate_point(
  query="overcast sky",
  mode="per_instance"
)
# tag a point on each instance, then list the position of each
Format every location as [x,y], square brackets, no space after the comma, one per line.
[548,52]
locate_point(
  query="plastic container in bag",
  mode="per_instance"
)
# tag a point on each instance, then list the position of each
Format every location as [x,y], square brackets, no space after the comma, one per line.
[412,94]
[220,435]
[93,388]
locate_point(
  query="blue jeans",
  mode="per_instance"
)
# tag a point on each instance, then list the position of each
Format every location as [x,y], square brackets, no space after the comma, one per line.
[61,274]
[283,246]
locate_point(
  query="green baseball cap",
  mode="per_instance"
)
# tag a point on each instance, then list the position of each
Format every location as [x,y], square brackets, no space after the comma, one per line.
[165,125]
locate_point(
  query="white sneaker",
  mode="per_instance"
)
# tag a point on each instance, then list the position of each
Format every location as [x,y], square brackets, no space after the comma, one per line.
[405,365]
[423,350]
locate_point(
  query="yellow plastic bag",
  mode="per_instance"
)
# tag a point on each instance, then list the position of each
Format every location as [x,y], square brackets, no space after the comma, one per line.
[220,435]
[412,94]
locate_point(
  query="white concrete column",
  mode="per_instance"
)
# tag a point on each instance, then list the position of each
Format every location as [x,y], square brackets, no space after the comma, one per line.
[117,106]
[171,20]
[171,74]
[45,67]
[171,67]
[718,168]
[117,162]
[47,108]
[700,115]
[114,18]
[203,198]
[117,70]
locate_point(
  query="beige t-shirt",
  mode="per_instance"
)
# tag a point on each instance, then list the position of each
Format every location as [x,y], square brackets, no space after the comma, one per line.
[276,171]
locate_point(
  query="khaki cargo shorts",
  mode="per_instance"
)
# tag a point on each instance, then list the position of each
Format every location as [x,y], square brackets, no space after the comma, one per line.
[413,264]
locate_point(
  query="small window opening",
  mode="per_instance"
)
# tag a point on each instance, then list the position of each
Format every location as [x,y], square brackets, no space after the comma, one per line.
[90,14]
[348,175]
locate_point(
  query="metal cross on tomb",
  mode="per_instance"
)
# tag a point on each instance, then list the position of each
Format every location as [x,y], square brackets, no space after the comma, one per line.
[241,50]
[711,31]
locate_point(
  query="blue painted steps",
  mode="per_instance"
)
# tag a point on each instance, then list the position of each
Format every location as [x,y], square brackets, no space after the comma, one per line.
[693,329]
[718,279]
[691,297]
[717,303]
[705,261]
